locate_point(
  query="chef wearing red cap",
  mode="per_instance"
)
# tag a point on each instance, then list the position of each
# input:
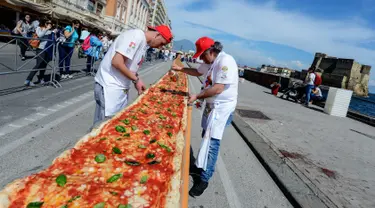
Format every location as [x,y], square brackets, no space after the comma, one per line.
[118,69]
[220,89]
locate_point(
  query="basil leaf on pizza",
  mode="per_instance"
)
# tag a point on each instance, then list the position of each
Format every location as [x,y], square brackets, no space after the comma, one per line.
[114,178]
[61,180]
[120,129]
[35,205]
[99,205]
[116,150]
[100,158]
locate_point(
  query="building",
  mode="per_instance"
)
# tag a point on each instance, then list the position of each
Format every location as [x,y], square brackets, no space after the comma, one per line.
[282,71]
[343,73]
[127,14]
[158,14]
[111,16]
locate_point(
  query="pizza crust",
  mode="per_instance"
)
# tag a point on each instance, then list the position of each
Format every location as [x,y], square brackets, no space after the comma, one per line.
[173,197]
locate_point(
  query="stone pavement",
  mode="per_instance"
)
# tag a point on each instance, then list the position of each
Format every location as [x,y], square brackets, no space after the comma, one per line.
[334,156]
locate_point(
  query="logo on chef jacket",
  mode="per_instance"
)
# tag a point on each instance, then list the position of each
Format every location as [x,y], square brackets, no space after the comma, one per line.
[132,45]
[224,68]
[224,74]
[208,81]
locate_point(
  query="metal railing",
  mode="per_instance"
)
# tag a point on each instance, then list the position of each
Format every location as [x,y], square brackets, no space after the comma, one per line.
[10,61]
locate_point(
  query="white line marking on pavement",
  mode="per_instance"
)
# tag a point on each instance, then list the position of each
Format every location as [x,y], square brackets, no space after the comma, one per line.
[16,143]
[233,200]
[14,125]
[36,116]
[230,192]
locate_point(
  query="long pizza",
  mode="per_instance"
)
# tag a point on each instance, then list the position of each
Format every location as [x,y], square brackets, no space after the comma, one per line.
[133,160]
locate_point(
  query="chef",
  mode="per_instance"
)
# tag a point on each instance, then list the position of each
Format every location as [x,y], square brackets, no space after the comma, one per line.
[220,89]
[118,69]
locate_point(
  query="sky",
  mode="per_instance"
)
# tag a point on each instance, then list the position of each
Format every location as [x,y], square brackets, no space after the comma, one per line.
[280,32]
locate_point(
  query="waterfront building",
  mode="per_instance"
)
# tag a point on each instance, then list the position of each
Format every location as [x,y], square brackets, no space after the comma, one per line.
[343,73]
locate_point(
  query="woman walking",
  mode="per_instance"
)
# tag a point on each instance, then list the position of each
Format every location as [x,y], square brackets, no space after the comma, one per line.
[22,29]
[66,49]
[44,32]
[93,49]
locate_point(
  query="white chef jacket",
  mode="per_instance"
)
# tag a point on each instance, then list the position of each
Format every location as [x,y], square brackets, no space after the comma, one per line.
[224,70]
[131,44]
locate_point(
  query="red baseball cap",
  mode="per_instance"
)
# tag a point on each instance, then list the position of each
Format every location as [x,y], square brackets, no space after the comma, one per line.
[202,45]
[163,31]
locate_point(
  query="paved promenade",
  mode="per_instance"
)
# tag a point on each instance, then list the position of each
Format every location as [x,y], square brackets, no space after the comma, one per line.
[334,156]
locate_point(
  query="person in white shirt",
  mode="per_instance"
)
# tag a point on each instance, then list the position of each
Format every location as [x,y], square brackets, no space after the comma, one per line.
[166,53]
[118,69]
[220,90]
[316,94]
[309,81]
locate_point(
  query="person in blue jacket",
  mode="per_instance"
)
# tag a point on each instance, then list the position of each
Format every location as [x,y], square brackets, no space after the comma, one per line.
[66,48]
[93,51]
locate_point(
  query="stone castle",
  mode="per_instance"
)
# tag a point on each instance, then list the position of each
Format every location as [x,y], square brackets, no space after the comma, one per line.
[343,73]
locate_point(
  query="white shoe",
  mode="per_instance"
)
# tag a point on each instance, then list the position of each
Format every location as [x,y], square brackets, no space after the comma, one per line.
[29,83]
[69,76]
[42,82]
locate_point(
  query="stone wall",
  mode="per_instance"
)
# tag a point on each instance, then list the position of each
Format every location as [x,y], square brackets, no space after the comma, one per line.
[343,73]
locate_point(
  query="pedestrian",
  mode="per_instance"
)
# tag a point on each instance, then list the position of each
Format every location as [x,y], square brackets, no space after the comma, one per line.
[93,49]
[316,94]
[309,81]
[22,29]
[105,43]
[43,31]
[166,53]
[118,69]
[220,90]
[66,48]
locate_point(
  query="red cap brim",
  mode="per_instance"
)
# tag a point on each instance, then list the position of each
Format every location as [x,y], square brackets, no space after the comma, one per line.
[197,54]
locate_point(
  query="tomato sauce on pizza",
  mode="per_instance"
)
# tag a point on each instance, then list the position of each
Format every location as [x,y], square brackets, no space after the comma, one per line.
[129,163]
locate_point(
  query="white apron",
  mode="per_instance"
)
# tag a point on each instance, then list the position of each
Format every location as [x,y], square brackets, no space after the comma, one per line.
[115,99]
[215,123]
[214,120]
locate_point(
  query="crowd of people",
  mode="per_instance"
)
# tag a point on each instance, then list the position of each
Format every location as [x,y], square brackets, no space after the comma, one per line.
[41,34]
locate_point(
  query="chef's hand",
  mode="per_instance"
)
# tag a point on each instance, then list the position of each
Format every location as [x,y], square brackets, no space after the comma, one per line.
[177,68]
[192,98]
[140,86]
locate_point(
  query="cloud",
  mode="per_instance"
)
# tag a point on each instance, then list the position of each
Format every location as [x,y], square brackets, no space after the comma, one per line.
[297,63]
[266,22]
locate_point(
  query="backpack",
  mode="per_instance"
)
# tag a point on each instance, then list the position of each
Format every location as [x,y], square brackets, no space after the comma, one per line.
[86,43]
[318,79]
[34,43]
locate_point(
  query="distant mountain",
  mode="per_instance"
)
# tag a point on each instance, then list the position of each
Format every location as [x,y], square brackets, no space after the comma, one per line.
[184,45]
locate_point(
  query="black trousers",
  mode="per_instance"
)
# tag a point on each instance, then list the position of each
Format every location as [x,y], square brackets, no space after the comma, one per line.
[41,63]
[89,63]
